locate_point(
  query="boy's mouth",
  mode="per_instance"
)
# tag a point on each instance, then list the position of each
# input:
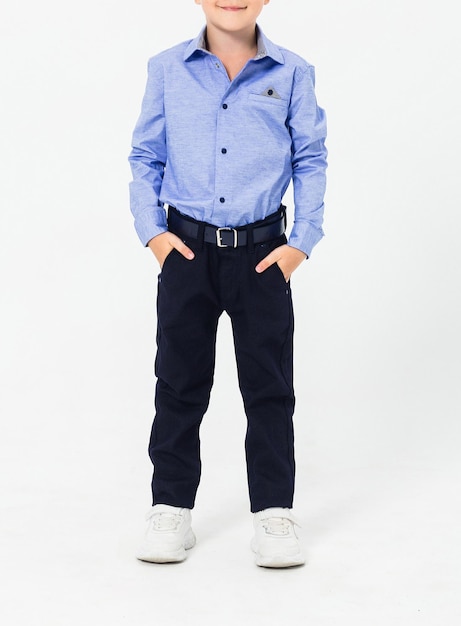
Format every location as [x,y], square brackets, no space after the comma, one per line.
[231,8]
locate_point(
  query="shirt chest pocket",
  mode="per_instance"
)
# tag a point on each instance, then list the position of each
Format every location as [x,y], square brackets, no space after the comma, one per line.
[267,101]
[268,113]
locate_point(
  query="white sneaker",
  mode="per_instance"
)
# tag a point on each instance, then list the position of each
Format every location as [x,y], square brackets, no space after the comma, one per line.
[168,535]
[275,542]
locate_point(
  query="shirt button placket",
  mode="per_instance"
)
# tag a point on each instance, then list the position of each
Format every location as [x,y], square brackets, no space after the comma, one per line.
[222,199]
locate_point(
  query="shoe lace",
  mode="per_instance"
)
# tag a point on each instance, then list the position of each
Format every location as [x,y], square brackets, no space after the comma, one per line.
[165,521]
[278,526]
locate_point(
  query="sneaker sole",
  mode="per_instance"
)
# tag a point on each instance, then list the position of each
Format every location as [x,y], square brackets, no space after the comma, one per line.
[279,562]
[169,556]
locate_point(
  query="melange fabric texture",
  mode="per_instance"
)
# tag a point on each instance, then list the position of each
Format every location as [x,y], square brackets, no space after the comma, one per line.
[224,151]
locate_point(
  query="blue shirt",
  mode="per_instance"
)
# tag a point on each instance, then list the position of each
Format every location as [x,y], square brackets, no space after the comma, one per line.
[224,151]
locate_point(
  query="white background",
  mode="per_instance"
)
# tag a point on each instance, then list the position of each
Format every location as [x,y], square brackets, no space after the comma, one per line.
[377,334]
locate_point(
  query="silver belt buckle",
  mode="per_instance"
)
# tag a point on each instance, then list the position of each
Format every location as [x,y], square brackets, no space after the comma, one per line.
[219,242]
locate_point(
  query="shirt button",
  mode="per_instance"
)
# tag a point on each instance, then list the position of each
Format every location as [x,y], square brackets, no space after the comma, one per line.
[222,200]
[224,106]
[270,92]
[223,150]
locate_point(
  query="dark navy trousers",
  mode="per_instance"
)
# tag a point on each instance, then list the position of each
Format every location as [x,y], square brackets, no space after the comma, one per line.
[191,297]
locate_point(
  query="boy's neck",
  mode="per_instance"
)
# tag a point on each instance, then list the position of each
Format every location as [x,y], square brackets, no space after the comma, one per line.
[230,44]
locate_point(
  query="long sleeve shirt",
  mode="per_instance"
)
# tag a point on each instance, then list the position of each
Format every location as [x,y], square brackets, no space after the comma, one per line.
[224,151]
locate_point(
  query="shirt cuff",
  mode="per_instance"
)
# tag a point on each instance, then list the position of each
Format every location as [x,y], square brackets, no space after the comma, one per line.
[304,237]
[150,223]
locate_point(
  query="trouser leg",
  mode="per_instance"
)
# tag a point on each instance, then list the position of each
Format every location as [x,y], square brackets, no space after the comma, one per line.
[262,321]
[186,336]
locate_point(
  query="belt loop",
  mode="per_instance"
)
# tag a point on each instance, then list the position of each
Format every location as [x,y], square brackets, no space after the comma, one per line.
[250,239]
[283,210]
[201,234]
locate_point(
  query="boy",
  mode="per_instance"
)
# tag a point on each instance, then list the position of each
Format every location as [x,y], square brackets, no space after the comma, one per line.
[227,120]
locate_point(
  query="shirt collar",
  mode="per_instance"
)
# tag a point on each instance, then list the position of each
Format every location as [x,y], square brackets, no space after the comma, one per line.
[265,47]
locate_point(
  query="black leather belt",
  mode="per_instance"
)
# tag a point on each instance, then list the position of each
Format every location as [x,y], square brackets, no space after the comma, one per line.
[264,230]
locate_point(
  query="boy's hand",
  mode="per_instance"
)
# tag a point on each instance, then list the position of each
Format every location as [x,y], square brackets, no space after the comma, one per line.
[163,244]
[286,257]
